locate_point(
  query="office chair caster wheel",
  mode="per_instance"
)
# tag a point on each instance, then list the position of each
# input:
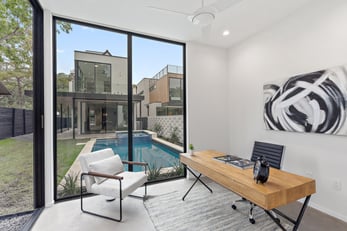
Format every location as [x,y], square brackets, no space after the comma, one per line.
[251,220]
[233,206]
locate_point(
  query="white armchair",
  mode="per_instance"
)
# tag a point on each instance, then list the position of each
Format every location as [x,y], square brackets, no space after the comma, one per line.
[103,174]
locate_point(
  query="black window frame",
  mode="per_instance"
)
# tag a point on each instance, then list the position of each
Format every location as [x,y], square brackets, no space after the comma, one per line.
[130,35]
[38,106]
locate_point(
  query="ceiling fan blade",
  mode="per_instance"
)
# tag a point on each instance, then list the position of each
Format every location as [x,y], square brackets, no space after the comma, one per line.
[221,5]
[168,10]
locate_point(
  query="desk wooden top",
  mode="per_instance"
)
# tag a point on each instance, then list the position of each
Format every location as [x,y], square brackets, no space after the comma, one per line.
[280,189]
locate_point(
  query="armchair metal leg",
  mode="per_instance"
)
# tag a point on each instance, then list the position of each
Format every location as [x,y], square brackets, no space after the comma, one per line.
[99,215]
[144,197]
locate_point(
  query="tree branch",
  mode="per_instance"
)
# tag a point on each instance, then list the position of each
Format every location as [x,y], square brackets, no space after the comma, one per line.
[9,35]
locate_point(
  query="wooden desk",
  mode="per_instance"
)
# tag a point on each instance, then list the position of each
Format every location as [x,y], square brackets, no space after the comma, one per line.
[280,189]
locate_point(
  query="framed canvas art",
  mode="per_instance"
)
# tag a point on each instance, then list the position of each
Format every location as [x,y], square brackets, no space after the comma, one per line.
[313,102]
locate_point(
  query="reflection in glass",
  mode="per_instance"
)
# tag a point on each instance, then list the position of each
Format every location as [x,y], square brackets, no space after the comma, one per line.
[16,108]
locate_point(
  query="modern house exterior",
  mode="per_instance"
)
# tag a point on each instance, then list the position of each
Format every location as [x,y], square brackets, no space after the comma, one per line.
[97,98]
[163,100]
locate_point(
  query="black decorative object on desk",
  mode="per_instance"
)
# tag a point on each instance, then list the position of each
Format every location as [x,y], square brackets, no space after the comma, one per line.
[261,170]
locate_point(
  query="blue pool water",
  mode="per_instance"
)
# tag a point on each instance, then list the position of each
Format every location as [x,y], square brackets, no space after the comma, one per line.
[144,148]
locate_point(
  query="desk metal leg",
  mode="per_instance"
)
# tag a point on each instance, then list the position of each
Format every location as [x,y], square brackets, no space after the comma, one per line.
[298,219]
[277,221]
[197,179]
[301,214]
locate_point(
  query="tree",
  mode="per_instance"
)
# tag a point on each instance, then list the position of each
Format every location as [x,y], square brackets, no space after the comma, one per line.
[16,50]
[63,82]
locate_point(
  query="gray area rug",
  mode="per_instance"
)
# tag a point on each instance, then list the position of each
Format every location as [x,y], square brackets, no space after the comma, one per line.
[205,211]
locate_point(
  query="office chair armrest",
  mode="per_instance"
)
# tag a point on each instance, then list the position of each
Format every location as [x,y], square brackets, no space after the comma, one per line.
[98,174]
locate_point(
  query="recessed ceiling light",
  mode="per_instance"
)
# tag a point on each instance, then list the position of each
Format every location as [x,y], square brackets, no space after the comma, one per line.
[226,33]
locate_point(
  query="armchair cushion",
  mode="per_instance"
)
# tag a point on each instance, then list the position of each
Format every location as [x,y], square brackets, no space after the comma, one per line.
[111,165]
[131,181]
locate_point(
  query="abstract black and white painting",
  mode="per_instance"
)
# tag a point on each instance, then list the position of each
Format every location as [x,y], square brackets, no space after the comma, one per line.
[313,102]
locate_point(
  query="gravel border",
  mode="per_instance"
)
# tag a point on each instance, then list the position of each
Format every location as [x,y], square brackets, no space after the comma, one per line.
[15,222]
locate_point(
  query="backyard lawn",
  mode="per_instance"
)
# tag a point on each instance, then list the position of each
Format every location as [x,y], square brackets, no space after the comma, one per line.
[67,151]
[16,174]
[16,171]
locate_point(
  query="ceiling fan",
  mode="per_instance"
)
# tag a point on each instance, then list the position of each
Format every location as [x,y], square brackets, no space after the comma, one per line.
[205,14]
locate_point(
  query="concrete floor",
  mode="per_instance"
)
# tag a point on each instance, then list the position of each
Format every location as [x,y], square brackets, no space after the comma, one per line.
[68,216]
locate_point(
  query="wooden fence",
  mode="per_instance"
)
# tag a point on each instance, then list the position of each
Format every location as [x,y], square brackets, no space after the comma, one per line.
[15,122]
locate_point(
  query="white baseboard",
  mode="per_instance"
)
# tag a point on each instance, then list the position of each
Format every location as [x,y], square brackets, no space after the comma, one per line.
[326,211]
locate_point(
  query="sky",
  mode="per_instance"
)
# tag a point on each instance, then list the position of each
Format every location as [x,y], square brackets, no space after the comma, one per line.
[149,56]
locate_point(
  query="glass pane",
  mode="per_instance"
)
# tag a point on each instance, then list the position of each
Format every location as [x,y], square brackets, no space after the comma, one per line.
[158,106]
[91,97]
[16,108]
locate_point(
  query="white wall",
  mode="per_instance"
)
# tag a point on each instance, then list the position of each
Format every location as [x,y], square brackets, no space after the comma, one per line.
[314,38]
[207,97]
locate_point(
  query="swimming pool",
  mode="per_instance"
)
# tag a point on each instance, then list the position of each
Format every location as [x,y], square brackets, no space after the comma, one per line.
[144,148]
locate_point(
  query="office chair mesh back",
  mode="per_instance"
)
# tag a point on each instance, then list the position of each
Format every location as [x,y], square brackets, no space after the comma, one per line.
[271,152]
[273,155]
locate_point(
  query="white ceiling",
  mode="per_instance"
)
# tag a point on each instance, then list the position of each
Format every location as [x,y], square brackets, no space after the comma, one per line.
[242,19]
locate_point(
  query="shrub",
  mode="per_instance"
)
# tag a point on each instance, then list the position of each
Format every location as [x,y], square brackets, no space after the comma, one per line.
[70,187]
[153,172]
[158,129]
[174,138]
[177,170]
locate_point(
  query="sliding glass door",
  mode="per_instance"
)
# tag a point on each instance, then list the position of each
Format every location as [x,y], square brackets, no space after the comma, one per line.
[21,97]
[110,92]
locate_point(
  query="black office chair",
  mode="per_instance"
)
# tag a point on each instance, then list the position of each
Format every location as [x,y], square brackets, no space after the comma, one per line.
[273,155]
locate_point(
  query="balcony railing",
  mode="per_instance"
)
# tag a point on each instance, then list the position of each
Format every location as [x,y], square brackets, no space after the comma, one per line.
[169,69]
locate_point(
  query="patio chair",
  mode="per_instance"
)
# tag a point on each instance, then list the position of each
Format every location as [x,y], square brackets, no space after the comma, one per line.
[273,155]
[103,174]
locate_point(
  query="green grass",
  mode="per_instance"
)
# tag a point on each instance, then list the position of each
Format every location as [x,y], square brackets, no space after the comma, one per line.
[67,151]
[16,171]
[16,176]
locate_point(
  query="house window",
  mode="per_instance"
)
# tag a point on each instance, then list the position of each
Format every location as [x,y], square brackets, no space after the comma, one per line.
[176,89]
[93,77]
